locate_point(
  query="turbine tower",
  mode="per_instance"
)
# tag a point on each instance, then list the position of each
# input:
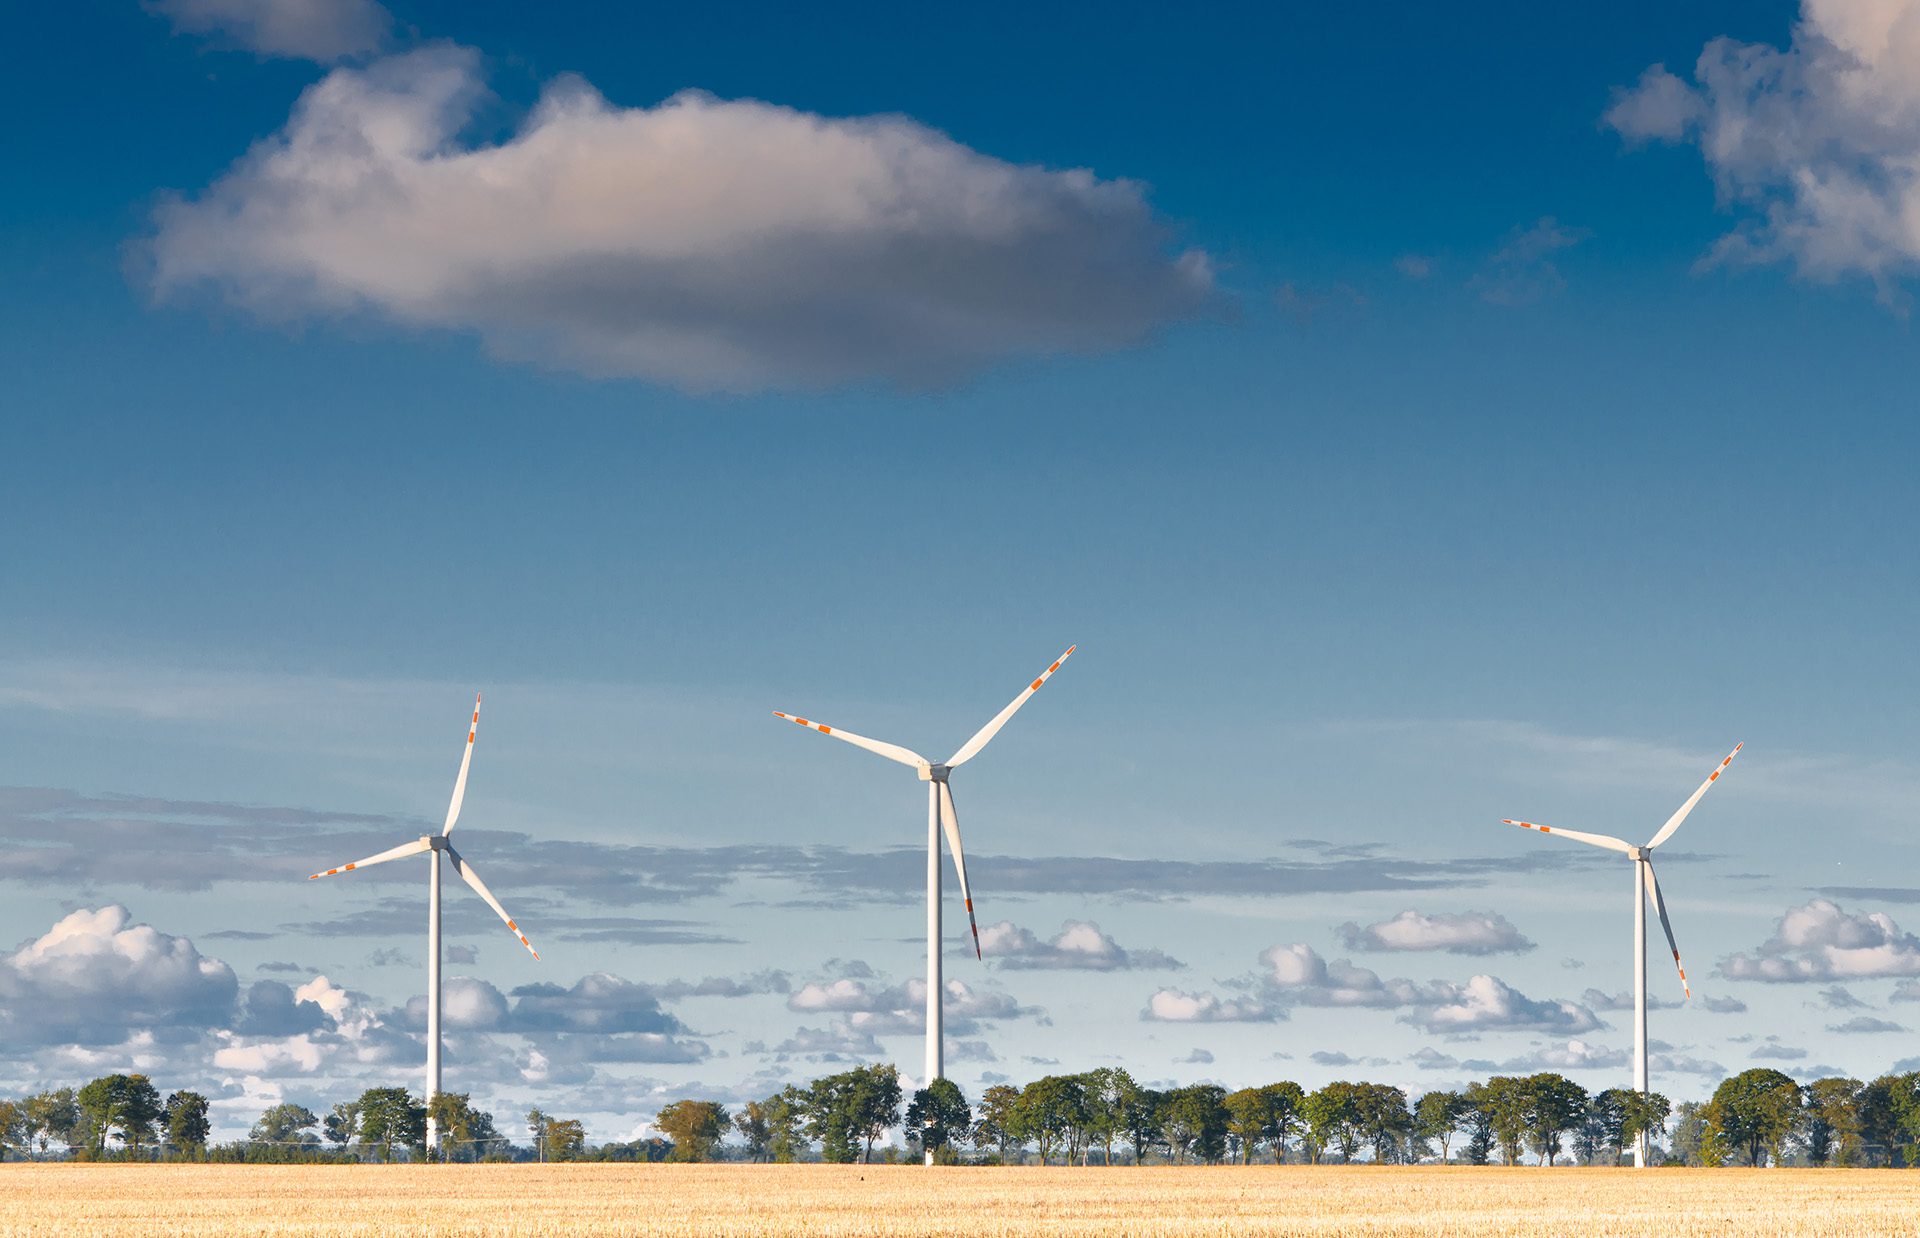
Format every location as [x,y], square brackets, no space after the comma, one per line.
[1645,889]
[436,845]
[940,815]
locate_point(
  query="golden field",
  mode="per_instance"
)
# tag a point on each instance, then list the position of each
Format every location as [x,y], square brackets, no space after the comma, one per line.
[189,1201]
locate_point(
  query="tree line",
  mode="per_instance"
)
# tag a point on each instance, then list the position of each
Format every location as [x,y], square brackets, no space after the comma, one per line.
[1104,1117]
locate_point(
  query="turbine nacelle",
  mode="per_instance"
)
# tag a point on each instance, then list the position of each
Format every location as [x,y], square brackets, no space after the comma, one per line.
[935,773]
[437,842]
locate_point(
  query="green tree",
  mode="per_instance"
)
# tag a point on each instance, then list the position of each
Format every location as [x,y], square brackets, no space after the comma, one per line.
[1195,1122]
[465,1133]
[1249,1120]
[938,1117]
[1752,1114]
[342,1123]
[1109,1091]
[1333,1115]
[1642,1113]
[1053,1111]
[696,1128]
[286,1123]
[1436,1115]
[186,1120]
[390,1116]
[1140,1117]
[1508,1106]
[126,1106]
[996,1119]
[786,1112]
[51,1115]
[566,1139]
[1284,1102]
[1476,1123]
[1383,1120]
[755,1131]
[1555,1104]
[1690,1145]
[1890,1116]
[1830,1129]
[852,1108]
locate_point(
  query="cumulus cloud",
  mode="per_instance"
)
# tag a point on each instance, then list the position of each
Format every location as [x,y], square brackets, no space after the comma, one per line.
[1572,1055]
[706,243]
[1723,1005]
[871,1007]
[1178,1006]
[1080,945]
[599,1002]
[1820,942]
[1815,147]
[1467,932]
[1486,1002]
[322,30]
[95,976]
[1296,975]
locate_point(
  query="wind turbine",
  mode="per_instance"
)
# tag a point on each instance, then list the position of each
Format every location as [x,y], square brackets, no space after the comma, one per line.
[435,845]
[940,815]
[1645,889]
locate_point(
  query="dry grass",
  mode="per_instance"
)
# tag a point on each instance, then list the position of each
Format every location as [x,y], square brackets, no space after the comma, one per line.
[567,1200]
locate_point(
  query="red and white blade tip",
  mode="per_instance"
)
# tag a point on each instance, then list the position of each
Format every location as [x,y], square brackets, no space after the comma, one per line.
[821,727]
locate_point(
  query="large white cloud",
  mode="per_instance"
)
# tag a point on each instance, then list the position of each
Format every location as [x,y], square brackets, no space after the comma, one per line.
[1820,942]
[1080,945]
[1296,975]
[304,29]
[707,243]
[1816,146]
[95,976]
[1467,932]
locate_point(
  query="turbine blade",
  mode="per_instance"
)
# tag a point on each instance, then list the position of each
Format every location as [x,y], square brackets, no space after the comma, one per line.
[893,752]
[950,822]
[480,887]
[972,747]
[466,760]
[1673,822]
[1598,840]
[401,852]
[1660,905]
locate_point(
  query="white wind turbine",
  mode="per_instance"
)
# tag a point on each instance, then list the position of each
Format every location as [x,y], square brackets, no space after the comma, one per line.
[434,845]
[1645,889]
[940,814]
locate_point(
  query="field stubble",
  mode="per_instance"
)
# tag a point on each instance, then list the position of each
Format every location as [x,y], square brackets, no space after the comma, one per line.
[569,1200]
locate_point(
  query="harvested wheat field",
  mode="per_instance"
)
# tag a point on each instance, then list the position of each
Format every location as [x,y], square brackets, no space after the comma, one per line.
[191,1201]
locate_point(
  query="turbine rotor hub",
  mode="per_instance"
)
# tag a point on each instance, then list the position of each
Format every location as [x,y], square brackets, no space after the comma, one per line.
[437,842]
[936,773]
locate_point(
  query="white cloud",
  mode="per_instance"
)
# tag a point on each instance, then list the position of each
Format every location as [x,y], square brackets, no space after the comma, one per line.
[1572,1055]
[95,976]
[1296,975]
[1178,1006]
[1815,146]
[1819,941]
[1487,1002]
[1467,932]
[706,243]
[320,30]
[1080,945]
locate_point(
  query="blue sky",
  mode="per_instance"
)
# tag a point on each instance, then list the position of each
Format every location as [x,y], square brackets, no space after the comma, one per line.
[1389,421]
